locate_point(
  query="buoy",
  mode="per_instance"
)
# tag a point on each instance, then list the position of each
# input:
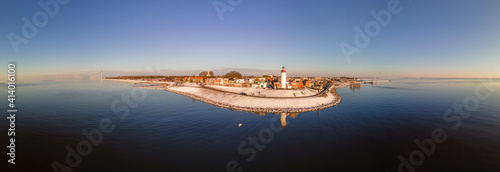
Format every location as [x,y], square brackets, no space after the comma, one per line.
[239,125]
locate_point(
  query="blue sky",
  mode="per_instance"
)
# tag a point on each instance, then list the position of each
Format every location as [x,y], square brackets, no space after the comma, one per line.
[427,38]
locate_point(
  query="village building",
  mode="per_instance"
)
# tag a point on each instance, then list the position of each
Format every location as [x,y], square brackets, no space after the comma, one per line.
[260,83]
[307,83]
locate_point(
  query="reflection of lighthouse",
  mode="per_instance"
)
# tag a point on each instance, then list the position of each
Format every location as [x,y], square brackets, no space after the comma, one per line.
[284,115]
[283,119]
[283,78]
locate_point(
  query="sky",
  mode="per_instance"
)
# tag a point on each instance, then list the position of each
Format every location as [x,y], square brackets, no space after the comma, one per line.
[427,38]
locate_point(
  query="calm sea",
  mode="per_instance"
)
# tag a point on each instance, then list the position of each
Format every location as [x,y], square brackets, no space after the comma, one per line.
[367,131]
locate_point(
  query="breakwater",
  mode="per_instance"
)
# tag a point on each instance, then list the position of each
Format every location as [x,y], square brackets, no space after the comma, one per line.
[337,99]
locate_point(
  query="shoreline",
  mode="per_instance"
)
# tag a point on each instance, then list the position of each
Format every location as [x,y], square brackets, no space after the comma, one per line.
[336,100]
[234,101]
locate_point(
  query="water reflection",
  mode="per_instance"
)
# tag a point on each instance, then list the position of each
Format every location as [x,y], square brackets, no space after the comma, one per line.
[283,116]
[353,89]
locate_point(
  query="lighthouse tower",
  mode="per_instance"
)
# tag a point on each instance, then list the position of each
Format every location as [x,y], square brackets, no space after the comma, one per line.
[283,78]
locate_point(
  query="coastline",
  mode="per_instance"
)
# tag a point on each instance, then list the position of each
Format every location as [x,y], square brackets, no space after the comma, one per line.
[234,101]
[261,104]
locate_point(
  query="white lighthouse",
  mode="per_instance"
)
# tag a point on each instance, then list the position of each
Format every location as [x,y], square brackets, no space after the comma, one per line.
[283,78]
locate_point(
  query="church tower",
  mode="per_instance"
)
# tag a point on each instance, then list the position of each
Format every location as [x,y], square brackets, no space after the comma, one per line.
[283,78]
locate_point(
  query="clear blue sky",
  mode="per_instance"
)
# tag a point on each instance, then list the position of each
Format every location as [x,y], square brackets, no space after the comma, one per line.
[445,38]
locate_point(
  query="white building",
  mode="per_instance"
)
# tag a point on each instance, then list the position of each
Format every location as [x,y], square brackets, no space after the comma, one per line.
[259,83]
[283,77]
[240,81]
